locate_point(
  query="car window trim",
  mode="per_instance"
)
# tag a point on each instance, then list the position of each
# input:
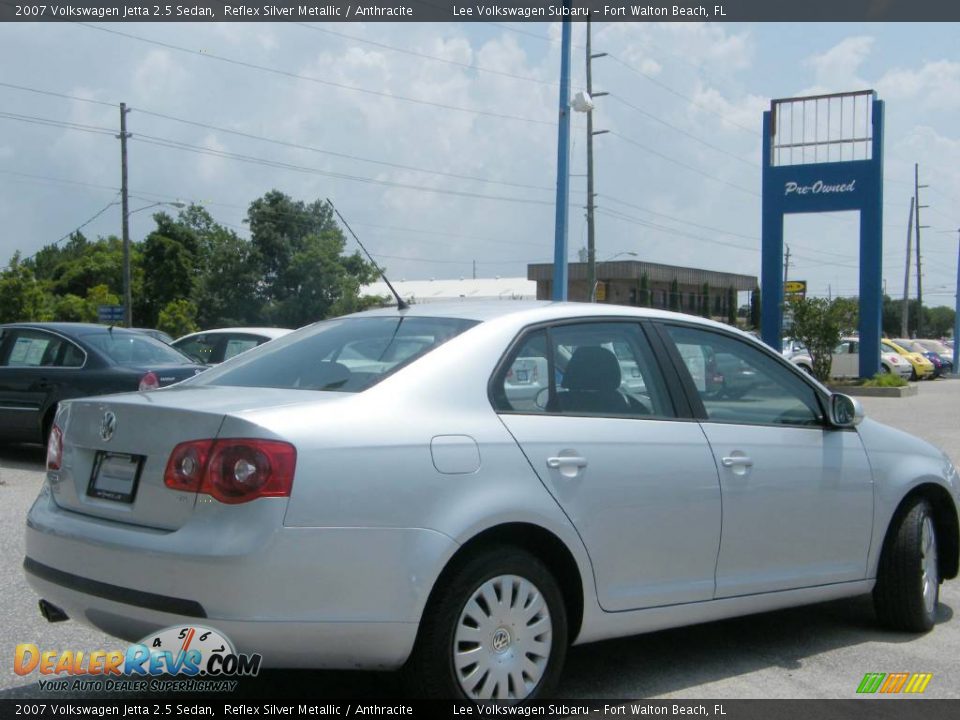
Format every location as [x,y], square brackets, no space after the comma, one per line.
[674,393]
[7,348]
[693,396]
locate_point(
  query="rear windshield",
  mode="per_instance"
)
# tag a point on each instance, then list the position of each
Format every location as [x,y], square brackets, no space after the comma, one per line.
[127,348]
[343,355]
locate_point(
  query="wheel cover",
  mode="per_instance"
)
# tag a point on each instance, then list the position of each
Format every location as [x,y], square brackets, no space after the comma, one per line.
[928,565]
[502,643]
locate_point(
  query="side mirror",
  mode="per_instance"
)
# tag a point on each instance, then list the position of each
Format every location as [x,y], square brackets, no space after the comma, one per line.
[845,411]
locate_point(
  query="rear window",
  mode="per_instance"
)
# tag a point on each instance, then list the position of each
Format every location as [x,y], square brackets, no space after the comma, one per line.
[125,348]
[343,355]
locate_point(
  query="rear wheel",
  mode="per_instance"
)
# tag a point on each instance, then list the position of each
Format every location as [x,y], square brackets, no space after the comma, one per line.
[496,630]
[908,579]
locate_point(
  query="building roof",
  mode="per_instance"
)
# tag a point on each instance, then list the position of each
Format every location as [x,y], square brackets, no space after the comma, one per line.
[655,272]
[429,291]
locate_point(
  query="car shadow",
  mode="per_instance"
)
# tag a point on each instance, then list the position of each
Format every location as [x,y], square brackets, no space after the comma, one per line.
[22,457]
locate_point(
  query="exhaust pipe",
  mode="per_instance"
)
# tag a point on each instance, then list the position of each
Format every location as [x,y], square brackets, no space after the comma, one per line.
[51,612]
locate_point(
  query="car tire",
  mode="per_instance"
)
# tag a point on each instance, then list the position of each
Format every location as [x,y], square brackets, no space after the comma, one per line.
[908,578]
[520,645]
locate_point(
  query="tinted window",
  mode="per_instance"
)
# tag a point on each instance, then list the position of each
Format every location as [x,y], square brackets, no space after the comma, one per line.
[126,348]
[738,383]
[33,348]
[345,355]
[599,369]
[201,348]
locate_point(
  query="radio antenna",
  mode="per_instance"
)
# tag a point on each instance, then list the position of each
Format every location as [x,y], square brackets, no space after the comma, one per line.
[401,304]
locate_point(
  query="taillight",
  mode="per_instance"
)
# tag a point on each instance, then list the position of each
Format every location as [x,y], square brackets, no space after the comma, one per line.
[55,449]
[149,381]
[232,471]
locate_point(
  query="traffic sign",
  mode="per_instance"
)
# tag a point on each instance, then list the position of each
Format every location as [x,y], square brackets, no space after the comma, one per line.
[109,314]
[795,290]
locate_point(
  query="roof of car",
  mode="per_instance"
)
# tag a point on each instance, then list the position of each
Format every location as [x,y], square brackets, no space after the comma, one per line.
[271,332]
[67,328]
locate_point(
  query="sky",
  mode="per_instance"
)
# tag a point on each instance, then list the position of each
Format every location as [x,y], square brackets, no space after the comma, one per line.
[438,142]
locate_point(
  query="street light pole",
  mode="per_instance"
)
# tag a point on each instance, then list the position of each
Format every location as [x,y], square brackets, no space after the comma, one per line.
[956,316]
[560,275]
[591,232]
[125,209]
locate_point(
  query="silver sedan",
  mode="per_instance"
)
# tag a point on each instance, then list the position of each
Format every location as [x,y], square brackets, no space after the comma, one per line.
[416,511]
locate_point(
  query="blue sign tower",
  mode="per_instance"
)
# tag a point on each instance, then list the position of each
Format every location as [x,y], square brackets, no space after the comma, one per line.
[824,153]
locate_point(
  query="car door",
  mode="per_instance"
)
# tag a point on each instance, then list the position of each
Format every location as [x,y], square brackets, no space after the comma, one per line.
[797,493]
[30,374]
[634,475]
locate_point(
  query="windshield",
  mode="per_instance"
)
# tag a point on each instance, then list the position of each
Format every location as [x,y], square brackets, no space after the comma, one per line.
[934,346]
[127,348]
[343,355]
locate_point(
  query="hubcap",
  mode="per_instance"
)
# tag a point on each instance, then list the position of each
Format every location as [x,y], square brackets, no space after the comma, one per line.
[928,565]
[503,639]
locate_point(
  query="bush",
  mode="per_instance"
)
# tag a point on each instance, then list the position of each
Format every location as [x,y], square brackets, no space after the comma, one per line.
[885,379]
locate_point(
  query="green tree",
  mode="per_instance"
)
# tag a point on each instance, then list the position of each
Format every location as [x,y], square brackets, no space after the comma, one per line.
[674,295]
[731,306]
[938,321]
[299,250]
[819,324]
[169,255]
[22,297]
[645,298]
[755,309]
[178,317]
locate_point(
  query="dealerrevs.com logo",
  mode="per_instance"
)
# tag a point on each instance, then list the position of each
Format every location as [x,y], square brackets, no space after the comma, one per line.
[200,659]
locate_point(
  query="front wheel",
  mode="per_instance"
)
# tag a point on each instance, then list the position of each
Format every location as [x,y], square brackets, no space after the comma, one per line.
[496,630]
[908,579]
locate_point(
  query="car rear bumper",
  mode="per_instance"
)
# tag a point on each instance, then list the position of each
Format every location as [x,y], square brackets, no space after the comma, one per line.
[301,597]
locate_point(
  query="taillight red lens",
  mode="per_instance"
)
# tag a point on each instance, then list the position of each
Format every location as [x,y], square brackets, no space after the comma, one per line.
[187,465]
[149,381]
[233,470]
[55,449]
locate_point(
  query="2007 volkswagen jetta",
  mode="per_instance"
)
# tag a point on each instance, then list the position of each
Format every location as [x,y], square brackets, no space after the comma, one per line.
[465,490]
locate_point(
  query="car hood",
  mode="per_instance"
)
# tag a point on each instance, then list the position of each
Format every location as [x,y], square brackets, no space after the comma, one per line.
[880,438]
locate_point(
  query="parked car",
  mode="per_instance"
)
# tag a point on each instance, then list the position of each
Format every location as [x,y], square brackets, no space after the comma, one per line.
[155,334]
[942,351]
[922,368]
[845,362]
[212,347]
[42,364]
[915,347]
[412,515]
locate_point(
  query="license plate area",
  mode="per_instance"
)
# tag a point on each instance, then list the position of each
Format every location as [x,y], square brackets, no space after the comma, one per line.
[115,476]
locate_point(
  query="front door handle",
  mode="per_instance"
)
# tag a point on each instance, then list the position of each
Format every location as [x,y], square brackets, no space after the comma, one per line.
[566,461]
[737,461]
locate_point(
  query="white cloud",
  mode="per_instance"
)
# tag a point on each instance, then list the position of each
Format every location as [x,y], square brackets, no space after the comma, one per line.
[836,70]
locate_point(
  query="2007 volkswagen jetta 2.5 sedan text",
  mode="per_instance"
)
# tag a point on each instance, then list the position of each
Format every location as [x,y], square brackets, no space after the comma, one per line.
[464,490]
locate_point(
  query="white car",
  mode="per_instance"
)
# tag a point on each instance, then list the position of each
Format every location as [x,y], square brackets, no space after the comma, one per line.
[212,347]
[411,513]
[846,361]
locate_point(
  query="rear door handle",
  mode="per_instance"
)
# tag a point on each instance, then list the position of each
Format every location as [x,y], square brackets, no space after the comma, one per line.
[566,461]
[737,461]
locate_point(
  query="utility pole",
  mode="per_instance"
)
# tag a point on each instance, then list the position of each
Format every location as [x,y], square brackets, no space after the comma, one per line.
[956,316]
[786,265]
[125,209]
[591,195]
[917,206]
[905,313]
[560,275]
[474,269]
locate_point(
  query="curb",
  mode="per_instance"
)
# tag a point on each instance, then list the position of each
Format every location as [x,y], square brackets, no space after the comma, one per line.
[884,392]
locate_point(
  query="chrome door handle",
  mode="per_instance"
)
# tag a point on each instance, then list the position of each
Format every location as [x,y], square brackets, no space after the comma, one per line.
[737,460]
[566,461]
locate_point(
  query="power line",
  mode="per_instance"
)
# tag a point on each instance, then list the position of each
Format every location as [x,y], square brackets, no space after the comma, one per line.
[333,153]
[682,164]
[319,81]
[425,56]
[56,94]
[51,122]
[267,162]
[106,207]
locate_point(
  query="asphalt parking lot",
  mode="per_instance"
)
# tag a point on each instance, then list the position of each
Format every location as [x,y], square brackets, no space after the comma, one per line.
[821,651]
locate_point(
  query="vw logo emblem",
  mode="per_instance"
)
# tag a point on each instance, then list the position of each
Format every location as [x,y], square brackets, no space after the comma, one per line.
[108,425]
[501,640]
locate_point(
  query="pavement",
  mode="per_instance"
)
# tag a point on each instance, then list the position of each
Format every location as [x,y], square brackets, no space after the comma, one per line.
[819,651]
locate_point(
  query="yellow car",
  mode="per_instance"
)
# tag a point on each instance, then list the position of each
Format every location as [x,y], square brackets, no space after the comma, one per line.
[922,367]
